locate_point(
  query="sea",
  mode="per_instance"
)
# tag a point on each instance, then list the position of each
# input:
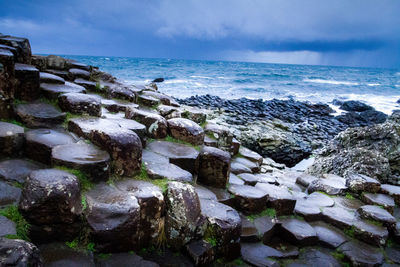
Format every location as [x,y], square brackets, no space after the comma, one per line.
[377,87]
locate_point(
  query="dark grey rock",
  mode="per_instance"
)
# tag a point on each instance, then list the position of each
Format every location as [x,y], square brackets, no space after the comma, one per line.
[52,91]
[59,255]
[186,130]
[11,139]
[37,115]
[14,252]
[361,254]
[278,198]
[16,170]
[328,235]
[298,232]
[248,199]
[7,227]
[214,167]
[9,195]
[78,103]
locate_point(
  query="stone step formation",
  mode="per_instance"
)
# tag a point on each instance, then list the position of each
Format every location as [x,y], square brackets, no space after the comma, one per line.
[94,172]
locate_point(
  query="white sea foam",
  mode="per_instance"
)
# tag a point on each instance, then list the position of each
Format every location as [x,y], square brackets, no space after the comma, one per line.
[200,77]
[330,82]
[373,84]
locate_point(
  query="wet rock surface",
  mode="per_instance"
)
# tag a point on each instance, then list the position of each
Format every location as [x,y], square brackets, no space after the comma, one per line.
[84,157]
[40,142]
[247,206]
[113,216]
[39,115]
[11,139]
[18,253]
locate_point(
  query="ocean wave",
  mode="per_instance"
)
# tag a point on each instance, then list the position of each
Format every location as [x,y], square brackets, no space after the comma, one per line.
[200,77]
[373,84]
[330,82]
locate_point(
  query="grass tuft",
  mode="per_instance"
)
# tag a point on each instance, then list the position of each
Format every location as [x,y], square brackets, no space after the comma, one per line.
[267,212]
[349,196]
[22,226]
[174,140]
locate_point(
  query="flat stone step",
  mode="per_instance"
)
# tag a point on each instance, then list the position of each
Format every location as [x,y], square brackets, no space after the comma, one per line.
[361,254]
[52,91]
[158,167]
[339,217]
[9,194]
[329,235]
[386,201]
[40,142]
[315,258]
[258,254]
[298,232]
[50,78]
[78,103]
[305,179]
[266,227]
[37,115]
[331,186]
[85,157]
[116,105]
[253,166]
[238,168]
[278,198]
[376,213]
[186,130]
[7,227]
[393,191]
[163,99]
[184,156]
[251,155]
[79,73]
[124,259]
[248,199]
[11,139]
[62,73]
[362,183]
[16,170]
[147,100]
[370,233]
[233,179]
[249,231]
[113,218]
[89,85]
[134,126]
[58,254]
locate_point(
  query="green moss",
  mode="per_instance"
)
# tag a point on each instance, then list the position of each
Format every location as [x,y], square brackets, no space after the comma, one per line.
[13,122]
[83,201]
[322,192]
[338,255]
[210,236]
[18,102]
[374,222]
[18,184]
[104,256]
[22,226]
[161,183]
[84,181]
[53,102]
[349,196]
[350,231]
[90,246]
[174,140]
[267,212]
[72,244]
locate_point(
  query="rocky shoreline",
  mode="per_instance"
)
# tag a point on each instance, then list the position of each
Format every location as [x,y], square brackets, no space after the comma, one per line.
[94,172]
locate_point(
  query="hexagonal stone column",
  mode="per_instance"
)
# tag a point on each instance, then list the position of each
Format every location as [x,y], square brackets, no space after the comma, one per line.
[113,217]
[11,139]
[28,77]
[51,202]
[156,125]
[78,103]
[152,211]
[186,130]
[183,220]
[214,167]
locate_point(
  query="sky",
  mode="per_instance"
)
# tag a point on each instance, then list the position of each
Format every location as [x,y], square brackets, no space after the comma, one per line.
[362,33]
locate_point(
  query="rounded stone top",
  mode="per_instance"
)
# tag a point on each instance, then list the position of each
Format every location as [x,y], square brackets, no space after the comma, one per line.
[51,178]
[140,189]
[49,137]
[80,153]
[246,191]
[9,129]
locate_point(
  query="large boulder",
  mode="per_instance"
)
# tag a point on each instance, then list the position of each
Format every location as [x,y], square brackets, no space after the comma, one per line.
[371,151]
[183,220]
[51,199]
[22,46]
[78,103]
[214,168]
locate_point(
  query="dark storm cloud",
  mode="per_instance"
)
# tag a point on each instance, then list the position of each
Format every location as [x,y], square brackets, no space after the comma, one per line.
[292,31]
